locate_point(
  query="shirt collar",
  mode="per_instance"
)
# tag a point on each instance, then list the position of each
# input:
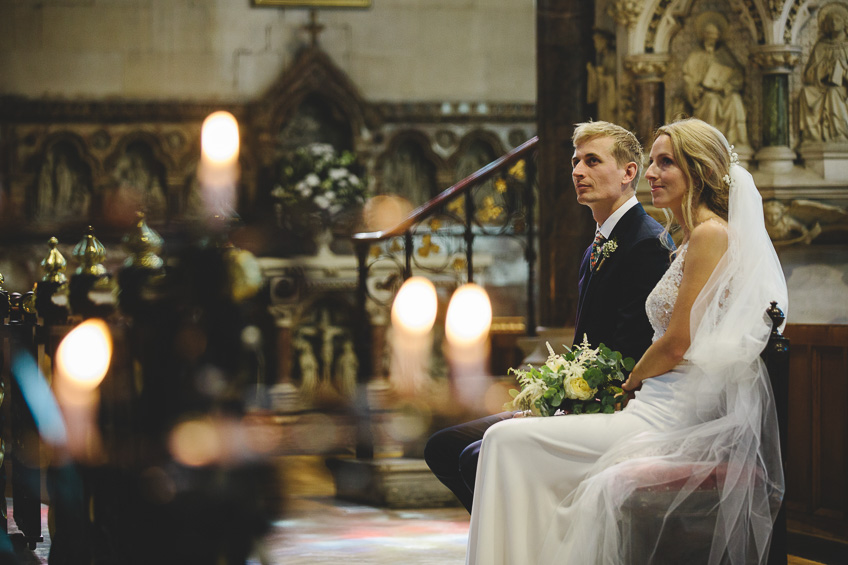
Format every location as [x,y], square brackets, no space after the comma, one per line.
[609,224]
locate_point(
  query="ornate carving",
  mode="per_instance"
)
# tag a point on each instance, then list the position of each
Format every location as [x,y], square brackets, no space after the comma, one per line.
[775,8]
[645,66]
[754,14]
[626,12]
[776,58]
[801,221]
[790,20]
[656,18]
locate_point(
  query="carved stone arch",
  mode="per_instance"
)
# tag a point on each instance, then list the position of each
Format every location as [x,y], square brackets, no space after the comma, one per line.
[800,12]
[312,79]
[486,137]
[663,19]
[139,178]
[65,174]
[489,202]
[410,168]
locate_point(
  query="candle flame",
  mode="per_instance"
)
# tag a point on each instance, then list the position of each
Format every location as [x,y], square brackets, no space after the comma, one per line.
[414,308]
[469,316]
[84,355]
[219,138]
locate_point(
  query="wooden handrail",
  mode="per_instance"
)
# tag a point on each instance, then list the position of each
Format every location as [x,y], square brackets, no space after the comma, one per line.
[449,193]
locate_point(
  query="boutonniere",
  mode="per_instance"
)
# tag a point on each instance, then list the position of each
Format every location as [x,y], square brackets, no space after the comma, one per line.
[607,249]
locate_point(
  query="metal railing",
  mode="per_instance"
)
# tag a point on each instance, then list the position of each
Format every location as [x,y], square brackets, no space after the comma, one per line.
[456,208]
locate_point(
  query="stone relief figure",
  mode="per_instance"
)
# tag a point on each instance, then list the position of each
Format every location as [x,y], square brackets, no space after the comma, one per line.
[63,186]
[140,178]
[822,101]
[800,221]
[347,365]
[601,88]
[308,366]
[407,173]
[713,80]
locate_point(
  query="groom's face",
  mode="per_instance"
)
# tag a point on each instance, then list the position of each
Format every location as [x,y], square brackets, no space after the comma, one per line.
[596,175]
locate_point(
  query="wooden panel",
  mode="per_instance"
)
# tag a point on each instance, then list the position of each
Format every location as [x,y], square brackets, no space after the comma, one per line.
[817,458]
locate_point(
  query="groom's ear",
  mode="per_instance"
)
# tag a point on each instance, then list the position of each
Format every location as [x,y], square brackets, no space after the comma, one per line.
[631,169]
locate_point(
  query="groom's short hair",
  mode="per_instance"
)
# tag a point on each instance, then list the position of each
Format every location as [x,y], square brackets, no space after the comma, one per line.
[625,147]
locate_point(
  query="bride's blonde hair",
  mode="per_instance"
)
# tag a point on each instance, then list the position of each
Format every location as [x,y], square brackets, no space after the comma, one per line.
[703,154]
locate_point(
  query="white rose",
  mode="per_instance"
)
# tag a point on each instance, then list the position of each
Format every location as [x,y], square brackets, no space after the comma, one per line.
[337,173]
[577,388]
[312,179]
[322,202]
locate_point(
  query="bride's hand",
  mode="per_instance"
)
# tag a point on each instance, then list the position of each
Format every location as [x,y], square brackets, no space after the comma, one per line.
[632,383]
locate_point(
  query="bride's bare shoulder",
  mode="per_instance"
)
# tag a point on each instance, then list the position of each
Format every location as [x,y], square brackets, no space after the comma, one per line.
[709,235]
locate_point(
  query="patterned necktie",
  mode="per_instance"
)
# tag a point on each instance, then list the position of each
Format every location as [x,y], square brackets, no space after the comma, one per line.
[596,249]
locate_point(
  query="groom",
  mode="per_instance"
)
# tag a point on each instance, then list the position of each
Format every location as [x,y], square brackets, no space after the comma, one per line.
[618,271]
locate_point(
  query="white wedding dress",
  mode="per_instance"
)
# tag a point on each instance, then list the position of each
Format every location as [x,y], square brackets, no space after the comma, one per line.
[553,490]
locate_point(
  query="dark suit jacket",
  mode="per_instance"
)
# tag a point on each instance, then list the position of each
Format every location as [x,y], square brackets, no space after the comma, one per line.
[611,297]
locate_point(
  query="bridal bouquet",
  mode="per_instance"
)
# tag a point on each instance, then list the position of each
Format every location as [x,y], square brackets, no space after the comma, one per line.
[580,381]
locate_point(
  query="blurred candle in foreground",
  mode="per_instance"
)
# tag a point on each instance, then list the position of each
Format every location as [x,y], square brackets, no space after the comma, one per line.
[218,171]
[467,325]
[413,315]
[82,361]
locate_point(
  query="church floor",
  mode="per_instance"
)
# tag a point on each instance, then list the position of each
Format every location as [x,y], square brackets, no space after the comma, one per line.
[317,529]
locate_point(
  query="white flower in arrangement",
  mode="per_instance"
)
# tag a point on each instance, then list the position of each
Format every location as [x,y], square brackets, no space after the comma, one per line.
[312,180]
[322,201]
[337,174]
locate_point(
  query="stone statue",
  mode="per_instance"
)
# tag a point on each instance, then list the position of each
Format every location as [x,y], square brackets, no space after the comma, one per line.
[347,365]
[63,186]
[136,173]
[801,220]
[713,80]
[601,89]
[308,366]
[822,101]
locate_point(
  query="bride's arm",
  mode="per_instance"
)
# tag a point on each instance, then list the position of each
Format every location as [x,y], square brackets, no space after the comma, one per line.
[707,244]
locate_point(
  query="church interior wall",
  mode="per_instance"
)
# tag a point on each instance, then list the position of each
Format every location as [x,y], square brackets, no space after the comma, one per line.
[410,50]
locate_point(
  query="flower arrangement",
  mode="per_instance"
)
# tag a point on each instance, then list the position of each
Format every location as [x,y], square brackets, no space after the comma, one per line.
[318,180]
[580,381]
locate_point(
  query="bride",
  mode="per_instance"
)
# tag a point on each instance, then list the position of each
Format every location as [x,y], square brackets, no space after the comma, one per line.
[561,489]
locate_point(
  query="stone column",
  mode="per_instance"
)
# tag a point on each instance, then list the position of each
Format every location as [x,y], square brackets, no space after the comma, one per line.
[776,62]
[649,70]
[563,47]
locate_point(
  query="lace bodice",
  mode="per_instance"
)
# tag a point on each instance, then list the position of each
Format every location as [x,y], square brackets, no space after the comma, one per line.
[660,303]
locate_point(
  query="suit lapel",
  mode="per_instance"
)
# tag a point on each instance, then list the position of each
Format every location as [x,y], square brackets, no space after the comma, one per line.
[621,232]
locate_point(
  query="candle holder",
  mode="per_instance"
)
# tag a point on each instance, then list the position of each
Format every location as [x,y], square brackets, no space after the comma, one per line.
[51,292]
[142,276]
[91,289]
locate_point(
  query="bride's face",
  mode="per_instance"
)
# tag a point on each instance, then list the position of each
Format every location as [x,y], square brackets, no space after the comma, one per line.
[667,180]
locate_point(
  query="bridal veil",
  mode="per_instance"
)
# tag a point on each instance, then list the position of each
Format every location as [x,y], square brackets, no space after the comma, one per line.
[707,491]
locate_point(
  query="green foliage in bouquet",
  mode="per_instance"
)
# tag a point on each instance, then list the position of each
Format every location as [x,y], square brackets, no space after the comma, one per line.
[580,381]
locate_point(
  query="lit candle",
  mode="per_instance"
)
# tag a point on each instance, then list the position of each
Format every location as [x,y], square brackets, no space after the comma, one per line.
[469,316]
[413,315]
[218,171]
[467,324]
[82,361]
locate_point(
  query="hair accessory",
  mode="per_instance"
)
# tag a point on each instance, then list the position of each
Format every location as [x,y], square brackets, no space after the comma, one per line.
[734,157]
